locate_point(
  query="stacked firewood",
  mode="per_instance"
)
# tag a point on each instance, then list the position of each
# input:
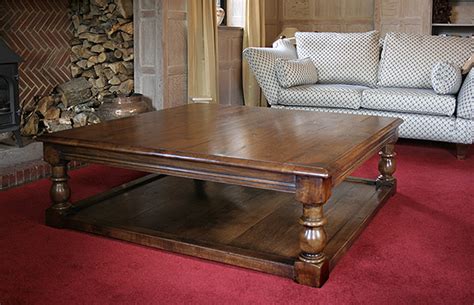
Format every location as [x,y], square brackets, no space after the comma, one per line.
[102,48]
[101,68]
[70,105]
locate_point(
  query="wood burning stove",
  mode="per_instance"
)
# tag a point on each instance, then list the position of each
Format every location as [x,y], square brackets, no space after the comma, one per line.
[9,104]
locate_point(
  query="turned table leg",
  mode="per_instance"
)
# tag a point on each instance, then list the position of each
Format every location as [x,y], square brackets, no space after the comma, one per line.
[461,151]
[387,167]
[312,267]
[60,191]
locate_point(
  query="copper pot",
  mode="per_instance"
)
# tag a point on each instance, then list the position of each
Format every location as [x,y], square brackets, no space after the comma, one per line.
[123,106]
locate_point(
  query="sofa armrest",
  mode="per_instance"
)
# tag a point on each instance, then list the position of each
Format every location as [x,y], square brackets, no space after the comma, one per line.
[465,107]
[262,63]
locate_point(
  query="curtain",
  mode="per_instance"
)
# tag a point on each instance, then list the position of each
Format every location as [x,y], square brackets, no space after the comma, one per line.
[202,50]
[254,36]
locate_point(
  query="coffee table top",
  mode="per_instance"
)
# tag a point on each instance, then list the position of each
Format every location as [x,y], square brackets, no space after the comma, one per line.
[299,142]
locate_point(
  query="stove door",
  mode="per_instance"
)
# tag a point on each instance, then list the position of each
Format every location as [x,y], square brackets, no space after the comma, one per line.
[7,101]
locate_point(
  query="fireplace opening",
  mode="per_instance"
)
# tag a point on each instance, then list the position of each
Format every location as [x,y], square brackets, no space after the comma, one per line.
[9,107]
[5,106]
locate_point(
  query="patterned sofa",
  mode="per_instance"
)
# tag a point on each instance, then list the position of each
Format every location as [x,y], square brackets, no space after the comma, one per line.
[357,75]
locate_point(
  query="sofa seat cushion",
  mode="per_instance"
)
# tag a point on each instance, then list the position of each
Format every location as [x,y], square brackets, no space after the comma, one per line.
[323,95]
[409,100]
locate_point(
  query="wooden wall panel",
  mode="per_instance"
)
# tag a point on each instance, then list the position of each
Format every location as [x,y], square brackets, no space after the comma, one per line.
[412,16]
[319,15]
[230,65]
[175,53]
[148,50]
[272,21]
[161,51]
[463,12]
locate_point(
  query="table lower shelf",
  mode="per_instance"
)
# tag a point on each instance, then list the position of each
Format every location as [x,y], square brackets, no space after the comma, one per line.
[247,227]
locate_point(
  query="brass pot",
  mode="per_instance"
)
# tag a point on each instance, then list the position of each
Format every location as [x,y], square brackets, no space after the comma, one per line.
[123,106]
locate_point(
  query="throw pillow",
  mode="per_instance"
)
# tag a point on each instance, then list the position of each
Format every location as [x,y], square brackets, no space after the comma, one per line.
[446,78]
[295,72]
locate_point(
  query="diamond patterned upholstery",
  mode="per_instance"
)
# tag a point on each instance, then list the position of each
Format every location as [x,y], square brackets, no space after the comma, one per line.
[262,63]
[422,101]
[337,56]
[410,67]
[295,72]
[446,78]
[407,59]
[323,95]
[415,126]
[466,98]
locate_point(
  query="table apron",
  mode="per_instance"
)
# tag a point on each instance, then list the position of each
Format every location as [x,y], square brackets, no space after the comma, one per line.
[182,168]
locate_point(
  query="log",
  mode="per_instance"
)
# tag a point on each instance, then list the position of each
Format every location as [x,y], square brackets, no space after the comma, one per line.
[117,67]
[128,67]
[75,91]
[81,51]
[127,28]
[75,21]
[115,81]
[108,73]
[113,29]
[89,73]
[127,54]
[82,63]
[123,77]
[31,126]
[53,113]
[80,120]
[44,104]
[118,54]
[100,3]
[111,7]
[55,126]
[105,57]
[125,8]
[82,29]
[114,89]
[87,44]
[99,70]
[75,70]
[126,87]
[97,48]
[95,38]
[100,82]
[110,45]
[126,37]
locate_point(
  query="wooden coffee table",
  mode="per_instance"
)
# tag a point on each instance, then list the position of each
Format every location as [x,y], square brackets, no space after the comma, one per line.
[223,183]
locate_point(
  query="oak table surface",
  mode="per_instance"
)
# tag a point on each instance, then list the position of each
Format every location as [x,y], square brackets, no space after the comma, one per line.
[297,142]
[302,152]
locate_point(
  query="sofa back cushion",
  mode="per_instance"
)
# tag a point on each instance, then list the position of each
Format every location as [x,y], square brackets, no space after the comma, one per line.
[342,58]
[408,59]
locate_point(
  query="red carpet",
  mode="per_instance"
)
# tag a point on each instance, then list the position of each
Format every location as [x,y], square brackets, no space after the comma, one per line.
[417,250]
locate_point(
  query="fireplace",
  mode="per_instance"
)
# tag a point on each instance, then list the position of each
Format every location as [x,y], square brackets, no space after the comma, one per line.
[9,106]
